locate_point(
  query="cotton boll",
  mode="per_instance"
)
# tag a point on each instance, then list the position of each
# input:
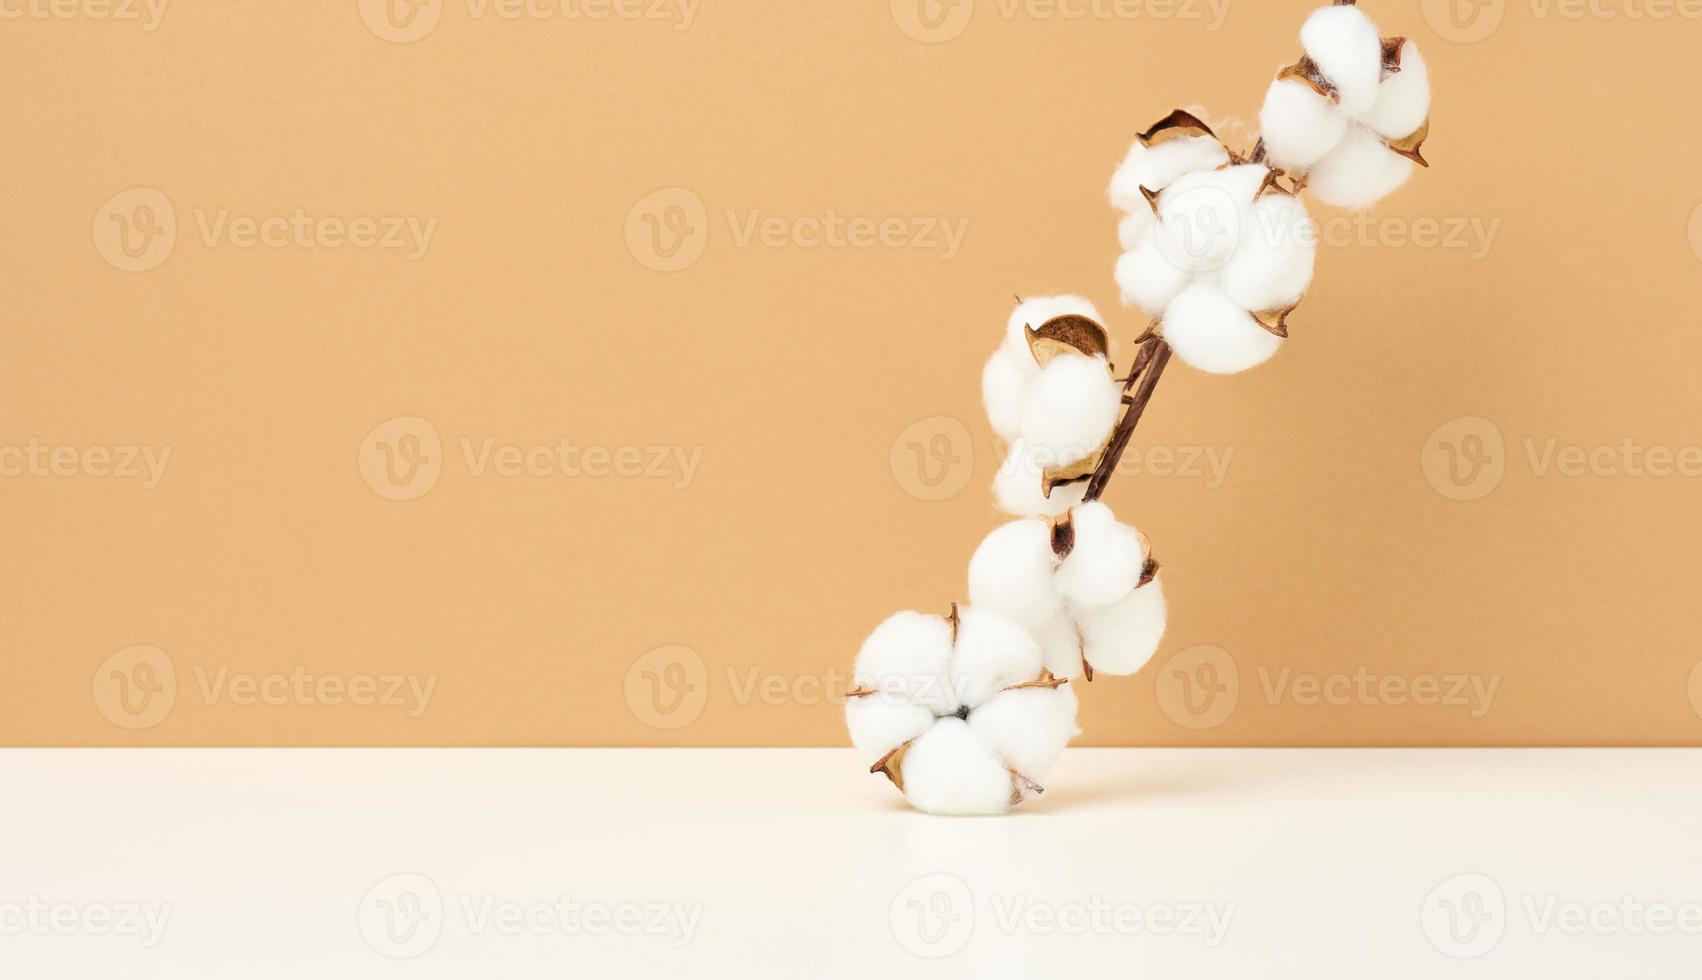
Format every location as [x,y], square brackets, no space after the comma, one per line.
[949,770]
[1017,486]
[909,658]
[1035,312]
[1106,562]
[1060,645]
[1070,409]
[1004,386]
[1156,167]
[1120,638]
[1027,728]
[1298,125]
[1273,263]
[1200,216]
[1133,228]
[1147,277]
[1403,100]
[1346,47]
[1358,173]
[879,724]
[1011,574]
[1211,333]
[993,653]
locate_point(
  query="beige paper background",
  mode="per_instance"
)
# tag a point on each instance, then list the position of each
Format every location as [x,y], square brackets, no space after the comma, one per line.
[1542,277]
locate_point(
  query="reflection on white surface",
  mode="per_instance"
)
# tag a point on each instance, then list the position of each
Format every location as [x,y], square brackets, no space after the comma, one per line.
[788,863]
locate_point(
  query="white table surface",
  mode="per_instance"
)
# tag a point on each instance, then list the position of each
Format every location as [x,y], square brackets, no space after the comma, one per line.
[793,863]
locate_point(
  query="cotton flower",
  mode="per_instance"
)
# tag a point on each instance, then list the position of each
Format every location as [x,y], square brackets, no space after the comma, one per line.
[1353,114]
[1085,587]
[1049,391]
[1227,254]
[959,713]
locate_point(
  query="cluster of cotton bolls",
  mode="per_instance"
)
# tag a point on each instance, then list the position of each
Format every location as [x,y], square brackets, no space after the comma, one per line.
[966,714]
[1218,251]
[1353,114]
[959,713]
[1050,394]
[1085,586]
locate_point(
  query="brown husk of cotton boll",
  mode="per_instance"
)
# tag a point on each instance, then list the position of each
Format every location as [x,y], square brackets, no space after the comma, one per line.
[1064,535]
[1180,124]
[1054,477]
[1412,145]
[1275,321]
[1068,334]
[891,765]
[1306,71]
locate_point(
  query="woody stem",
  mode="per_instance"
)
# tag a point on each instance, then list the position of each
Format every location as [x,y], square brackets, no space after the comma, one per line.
[1149,367]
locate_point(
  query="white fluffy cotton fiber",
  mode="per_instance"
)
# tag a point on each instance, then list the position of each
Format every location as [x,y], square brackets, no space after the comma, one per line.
[1070,409]
[1211,333]
[982,743]
[1120,638]
[1346,47]
[1105,562]
[1298,125]
[1359,172]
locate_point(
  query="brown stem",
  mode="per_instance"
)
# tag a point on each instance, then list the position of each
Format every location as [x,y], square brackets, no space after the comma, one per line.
[1149,367]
